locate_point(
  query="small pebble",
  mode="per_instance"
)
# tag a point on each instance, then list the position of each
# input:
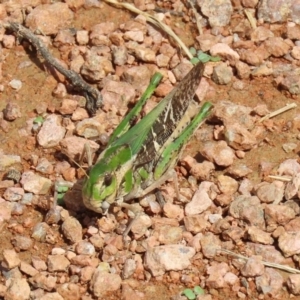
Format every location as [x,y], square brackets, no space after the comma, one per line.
[12,111]
[27,198]
[84,247]
[39,231]
[289,147]
[15,84]
[72,230]
[13,194]
[22,242]
[18,209]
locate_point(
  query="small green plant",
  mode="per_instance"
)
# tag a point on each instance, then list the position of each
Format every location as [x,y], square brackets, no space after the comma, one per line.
[38,120]
[202,56]
[61,190]
[192,294]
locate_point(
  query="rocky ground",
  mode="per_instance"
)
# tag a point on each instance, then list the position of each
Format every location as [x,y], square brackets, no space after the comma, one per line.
[235,229]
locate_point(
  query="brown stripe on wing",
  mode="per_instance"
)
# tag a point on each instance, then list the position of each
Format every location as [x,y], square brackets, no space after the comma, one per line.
[167,121]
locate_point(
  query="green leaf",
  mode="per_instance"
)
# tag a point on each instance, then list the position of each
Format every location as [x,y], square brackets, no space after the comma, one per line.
[60,199]
[194,60]
[198,290]
[193,51]
[62,188]
[38,120]
[189,294]
[215,58]
[203,57]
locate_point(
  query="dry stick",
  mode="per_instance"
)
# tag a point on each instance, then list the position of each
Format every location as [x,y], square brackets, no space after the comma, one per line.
[92,95]
[277,112]
[154,21]
[251,19]
[268,264]
[281,178]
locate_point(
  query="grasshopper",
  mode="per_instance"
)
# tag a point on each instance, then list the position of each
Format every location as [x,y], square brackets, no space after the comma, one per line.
[139,158]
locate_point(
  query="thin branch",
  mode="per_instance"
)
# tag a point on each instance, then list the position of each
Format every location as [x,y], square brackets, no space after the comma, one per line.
[92,95]
[251,19]
[278,111]
[281,178]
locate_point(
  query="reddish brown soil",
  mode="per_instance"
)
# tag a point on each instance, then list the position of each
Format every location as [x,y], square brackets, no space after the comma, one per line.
[38,86]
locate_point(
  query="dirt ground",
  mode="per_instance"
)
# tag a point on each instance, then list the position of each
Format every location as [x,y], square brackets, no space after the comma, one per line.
[37,88]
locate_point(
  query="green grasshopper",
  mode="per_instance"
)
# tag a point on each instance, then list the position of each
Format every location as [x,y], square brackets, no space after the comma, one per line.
[139,158]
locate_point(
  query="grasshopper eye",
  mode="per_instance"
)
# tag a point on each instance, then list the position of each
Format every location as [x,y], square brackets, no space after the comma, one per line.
[107,179]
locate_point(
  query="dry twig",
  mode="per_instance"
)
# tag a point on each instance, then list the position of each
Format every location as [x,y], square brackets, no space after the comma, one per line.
[251,19]
[277,112]
[281,178]
[92,95]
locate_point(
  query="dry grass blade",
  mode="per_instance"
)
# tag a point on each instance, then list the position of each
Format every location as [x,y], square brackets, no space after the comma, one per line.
[281,178]
[154,21]
[251,19]
[277,112]
[267,264]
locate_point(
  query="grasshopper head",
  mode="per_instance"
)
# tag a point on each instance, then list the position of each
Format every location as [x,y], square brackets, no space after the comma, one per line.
[99,190]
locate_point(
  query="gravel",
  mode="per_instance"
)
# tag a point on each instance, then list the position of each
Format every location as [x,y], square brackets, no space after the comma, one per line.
[226,202]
